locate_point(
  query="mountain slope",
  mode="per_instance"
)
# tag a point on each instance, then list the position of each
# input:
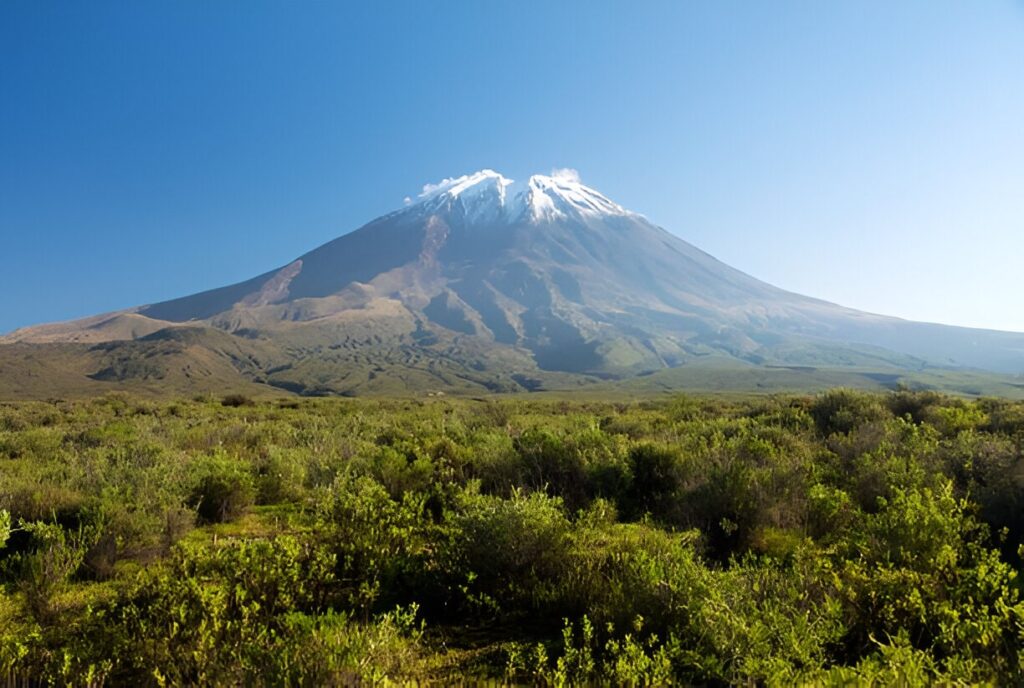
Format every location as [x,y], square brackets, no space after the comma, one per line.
[485,284]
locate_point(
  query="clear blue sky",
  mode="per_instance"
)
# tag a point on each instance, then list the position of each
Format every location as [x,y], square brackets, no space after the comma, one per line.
[869,153]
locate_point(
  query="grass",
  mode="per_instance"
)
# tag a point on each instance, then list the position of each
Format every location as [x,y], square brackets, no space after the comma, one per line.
[173,368]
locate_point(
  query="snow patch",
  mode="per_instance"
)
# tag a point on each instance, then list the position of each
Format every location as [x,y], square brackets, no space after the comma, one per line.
[487,196]
[455,186]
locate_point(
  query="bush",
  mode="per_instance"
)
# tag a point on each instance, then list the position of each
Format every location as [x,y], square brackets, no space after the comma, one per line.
[5,527]
[224,489]
[43,573]
[280,475]
[924,571]
[620,571]
[551,463]
[656,481]
[842,410]
[331,649]
[381,544]
[507,555]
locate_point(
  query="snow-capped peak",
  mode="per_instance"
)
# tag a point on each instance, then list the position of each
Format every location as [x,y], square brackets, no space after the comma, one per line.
[548,197]
[456,186]
[488,196]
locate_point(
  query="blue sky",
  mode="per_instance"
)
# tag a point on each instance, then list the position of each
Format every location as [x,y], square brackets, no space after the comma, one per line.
[869,153]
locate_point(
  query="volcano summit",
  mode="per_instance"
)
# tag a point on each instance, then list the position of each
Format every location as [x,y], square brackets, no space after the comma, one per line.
[482,283]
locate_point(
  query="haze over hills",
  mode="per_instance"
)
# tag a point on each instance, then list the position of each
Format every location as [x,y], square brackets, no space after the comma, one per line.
[486,284]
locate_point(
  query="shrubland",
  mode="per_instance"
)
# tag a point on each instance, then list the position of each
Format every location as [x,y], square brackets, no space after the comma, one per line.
[835,539]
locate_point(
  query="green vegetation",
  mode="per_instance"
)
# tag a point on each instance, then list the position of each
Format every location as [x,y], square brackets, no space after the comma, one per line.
[187,360]
[841,538]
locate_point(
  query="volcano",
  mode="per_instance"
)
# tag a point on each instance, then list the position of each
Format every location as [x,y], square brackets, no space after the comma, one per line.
[486,284]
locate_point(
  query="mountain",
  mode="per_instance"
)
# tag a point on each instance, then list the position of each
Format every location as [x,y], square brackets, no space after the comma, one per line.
[487,284]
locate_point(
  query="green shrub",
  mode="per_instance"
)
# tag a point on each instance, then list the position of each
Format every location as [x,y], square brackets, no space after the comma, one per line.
[923,569]
[656,481]
[553,464]
[508,554]
[5,527]
[224,489]
[44,571]
[381,545]
[215,615]
[842,410]
[617,572]
[279,475]
[917,405]
[332,649]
